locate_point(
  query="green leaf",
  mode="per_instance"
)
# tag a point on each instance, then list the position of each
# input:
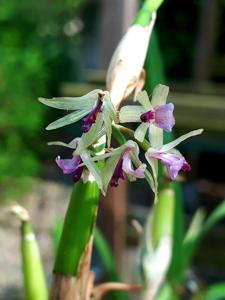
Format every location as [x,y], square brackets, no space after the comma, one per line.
[68,119]
[195,226]
[33,273]
[190,244]
[215,292]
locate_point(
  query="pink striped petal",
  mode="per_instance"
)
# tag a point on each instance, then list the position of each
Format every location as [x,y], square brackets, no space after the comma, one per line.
[128,169]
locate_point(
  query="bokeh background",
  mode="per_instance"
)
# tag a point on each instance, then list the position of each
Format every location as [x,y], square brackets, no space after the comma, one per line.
[57,48]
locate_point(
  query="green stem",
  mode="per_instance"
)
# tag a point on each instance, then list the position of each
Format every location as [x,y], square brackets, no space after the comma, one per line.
[163,216]
[34,279]
[144,15]
[78,227]
[119,132]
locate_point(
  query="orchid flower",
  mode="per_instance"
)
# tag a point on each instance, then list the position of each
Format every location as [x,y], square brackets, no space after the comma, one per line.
[170,157]
[120,162]
[155,112]
[80,165]
[93,108]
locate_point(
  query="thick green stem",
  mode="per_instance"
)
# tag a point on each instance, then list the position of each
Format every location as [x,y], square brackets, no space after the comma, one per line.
[78,227]
[34,279]
[163,216]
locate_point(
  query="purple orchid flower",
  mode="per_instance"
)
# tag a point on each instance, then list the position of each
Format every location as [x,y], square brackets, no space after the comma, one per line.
[161,116]
[124,165]
[172,161]
[91,117]
[69,166]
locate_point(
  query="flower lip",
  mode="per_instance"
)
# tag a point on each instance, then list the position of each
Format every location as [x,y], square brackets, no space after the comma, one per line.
[148,116]
[186,167]
[70,165]
[91,117]
[161,116]
[124,165]
[173,162]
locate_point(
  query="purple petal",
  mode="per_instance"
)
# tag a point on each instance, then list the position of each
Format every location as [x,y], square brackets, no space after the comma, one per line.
[91,117]
[148,116]
[164,117]
[77,174]
[128,169]
[173,162]
[118,173]
[68,166]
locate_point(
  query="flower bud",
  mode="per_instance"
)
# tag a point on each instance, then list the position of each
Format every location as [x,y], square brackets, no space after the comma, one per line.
[125,72]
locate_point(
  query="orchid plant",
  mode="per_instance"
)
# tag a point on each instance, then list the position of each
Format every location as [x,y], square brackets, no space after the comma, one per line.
[98,116]
[96,164]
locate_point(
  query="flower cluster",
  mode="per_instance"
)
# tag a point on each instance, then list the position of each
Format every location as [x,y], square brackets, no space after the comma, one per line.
[98,116]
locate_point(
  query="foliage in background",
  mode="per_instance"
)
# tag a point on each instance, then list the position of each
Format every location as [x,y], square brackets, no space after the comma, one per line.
[33,42]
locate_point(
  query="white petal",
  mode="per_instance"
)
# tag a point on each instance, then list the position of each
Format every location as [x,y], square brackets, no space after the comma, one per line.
[155,137]
[159,95]
[110,107]
[73,103]
[176,142]
[144,100]
[92,167]
[154,166]
[72,145]
[130,113]
[140,132]
[93,134]
[68,119]
[150,181]
[108,170]
[128,169]
[108,126]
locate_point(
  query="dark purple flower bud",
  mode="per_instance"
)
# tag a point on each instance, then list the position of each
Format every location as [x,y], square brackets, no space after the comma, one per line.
[118,173]
[77,174]
[125,165]
[91,117]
